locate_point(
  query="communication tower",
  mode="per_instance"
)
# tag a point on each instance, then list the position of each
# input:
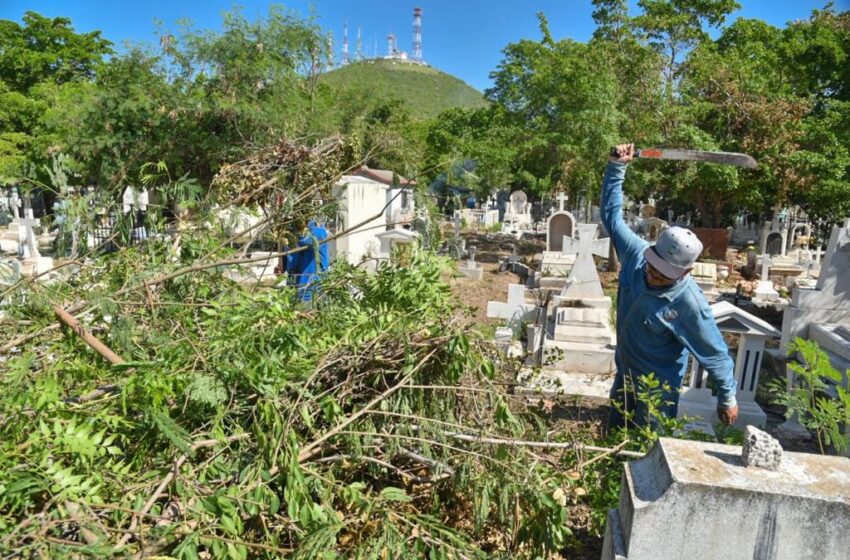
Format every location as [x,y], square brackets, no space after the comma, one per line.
[417,34]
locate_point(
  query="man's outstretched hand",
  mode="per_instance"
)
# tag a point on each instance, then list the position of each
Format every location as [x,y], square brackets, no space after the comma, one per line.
[626,151]
[728,415]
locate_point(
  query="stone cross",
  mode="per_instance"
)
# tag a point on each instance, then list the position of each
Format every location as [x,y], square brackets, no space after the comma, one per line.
[584,279]
[562,200]
[135,199]
[16,204]
[765,266]
[470,263]
[29,247]
[515,310]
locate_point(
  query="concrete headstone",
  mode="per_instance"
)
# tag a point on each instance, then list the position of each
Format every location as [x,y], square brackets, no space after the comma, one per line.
[583,281]
[689,499]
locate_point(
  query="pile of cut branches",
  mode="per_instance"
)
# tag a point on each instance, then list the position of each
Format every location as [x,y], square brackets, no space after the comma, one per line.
[242,423]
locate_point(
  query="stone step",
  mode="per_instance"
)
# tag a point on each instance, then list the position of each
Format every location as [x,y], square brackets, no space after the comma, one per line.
[547,382]
[578,357]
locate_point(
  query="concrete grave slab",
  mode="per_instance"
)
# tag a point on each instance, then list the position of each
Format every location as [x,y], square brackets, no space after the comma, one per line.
[689,499]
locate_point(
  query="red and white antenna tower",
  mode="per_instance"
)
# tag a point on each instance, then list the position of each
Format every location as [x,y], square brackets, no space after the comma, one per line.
[345,43]
[417,34]
[391,45]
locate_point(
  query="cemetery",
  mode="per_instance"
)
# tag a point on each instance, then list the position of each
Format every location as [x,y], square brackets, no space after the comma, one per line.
[254,305]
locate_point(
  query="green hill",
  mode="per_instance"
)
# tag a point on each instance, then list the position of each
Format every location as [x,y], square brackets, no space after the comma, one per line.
[425,90]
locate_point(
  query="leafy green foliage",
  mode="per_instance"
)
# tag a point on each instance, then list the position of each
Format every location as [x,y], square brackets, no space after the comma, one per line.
[319,430]
[829,418]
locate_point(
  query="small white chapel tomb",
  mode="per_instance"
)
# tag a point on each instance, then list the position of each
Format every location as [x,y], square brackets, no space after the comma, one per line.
[697,400]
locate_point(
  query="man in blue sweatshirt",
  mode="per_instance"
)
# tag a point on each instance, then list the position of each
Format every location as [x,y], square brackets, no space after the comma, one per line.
[662,315]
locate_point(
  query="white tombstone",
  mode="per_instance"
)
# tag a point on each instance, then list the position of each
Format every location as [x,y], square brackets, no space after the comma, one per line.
[696,399]
[516,310]
[653,227]
[584,281]
[765,292]
[559,224]
[392,238]
[32,263]
[470,268]
[16,204]
[705,275]
[29,244]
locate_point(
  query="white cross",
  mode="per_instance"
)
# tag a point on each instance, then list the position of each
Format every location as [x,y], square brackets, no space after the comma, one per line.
[584,279]
[562,199]
[515,310]
[29,247]
[765,266]
[16,204]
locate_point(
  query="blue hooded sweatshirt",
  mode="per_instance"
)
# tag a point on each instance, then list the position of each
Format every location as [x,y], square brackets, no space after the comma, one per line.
[302,266]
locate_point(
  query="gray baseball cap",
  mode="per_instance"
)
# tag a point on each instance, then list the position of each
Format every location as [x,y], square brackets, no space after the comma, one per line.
[676,250]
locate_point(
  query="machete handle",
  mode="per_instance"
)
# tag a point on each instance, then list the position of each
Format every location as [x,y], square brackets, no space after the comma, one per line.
[615,153]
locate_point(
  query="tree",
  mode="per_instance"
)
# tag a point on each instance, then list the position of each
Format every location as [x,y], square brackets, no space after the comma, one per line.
[47,49]
[563,96]
[36,58]
[673,27]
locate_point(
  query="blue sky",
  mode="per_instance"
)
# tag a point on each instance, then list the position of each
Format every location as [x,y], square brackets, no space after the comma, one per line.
[461,37]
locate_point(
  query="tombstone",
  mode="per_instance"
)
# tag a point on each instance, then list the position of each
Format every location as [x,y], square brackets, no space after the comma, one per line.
[516,310]
[457,245]
[653,227]
[577,351]
[391,239]
[517,205]
[834,339]
[828,303]
[135,203]
[697,399]
[517,218]
[690,499]
[705,275]
[470,269]
[559,224]
[765,292]
[648,211]
[584,281]
[556,264]
[32,263]
[15,204]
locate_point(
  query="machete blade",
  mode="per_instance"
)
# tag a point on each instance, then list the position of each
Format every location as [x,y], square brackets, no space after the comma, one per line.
[726,158]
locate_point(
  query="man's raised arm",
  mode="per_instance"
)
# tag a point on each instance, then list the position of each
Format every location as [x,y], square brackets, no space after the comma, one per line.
[627,244]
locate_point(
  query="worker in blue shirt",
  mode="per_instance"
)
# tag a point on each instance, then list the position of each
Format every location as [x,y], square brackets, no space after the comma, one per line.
[305,267]
[662,315]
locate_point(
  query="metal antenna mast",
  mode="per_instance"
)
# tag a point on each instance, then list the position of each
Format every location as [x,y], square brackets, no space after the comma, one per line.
[330,50]
[417,34]
[345,43]
[359,54]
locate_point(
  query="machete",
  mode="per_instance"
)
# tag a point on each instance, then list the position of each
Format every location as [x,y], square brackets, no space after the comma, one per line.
[727,158]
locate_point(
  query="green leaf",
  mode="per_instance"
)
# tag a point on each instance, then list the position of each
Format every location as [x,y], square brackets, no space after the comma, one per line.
[175,433]
[393,494]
